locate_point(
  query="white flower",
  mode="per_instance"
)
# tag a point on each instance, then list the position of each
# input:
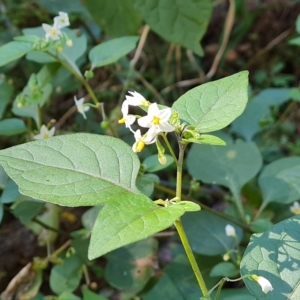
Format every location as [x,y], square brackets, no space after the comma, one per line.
[127,119]
[52,32]
[62,20]
[136,99]
[80,107]
[141,141]
[265,284]
[157,119]
[44,133]
[295,208]
[230,231]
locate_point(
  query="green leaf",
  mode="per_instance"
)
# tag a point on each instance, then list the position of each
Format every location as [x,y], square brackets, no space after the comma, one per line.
[224,269]
[153,165]
[10,192]
[146,183]
[206,233]
[261,225]
[66,277]
[298,24]
[6,91]
[102,168]
[275,256]
[111,51]
[12,51]
[295,41]
[12,126]
[182,22]
[89,217]
[207,139]
[214,105]
[26,210]
[275,184]
[129,268]
[258,109]
[68,296]
[128,220]
[89,295]
[232,165]
[115,17]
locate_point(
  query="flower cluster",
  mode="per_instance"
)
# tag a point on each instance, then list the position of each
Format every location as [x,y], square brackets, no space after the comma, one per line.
[54,32]
[157,120]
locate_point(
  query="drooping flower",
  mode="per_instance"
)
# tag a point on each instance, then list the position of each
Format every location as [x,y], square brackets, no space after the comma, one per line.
[295,208]
[80,106]
[62,20]
[142,140]
[265,284]
[127,119]
[44,133]
[52,32]
[230,231]
[157,119]
[136,99]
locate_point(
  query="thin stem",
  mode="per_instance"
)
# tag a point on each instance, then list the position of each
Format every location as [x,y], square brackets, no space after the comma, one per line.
[169,148]
[181,231]
[203,206]
[221,283]
[191,257]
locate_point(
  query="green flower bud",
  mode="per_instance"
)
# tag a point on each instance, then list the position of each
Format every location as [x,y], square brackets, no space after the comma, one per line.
[88,74]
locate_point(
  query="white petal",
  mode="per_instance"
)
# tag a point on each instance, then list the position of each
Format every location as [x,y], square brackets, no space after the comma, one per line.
[136,99]
[145,121]
[46,27]
[166,127]
[130,120]
[153,110]
[51,131]
[265,284]
[44,130]
[165,114]
[125,108]
[151,136]
[230,230]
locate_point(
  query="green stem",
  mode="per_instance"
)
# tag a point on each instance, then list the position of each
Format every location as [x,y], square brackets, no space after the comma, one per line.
[169,148]
[191,257]
[180,230]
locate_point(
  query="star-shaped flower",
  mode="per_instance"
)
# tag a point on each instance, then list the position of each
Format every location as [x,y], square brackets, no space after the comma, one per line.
[52,32]
[80,106]
[44,133]
[62,20]
[230,231]
[157,119]
[127,119]
[141,141]
[265,284]
[136,99]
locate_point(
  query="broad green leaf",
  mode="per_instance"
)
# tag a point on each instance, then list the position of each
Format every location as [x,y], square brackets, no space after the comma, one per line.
[68,296]
[261,225]
[134,217]
[274,182]
[182,22]
[214,105]
[12,126]
[153,165]
[26,210]
[89,217]
[6,91]
[13,51]
[10,192]
[145,183]
[224,269]
[115,17]
[111,51]
[206,233]
[66,277]
[235,294]
[232,165]
[258,110]
[89,295]
[274,255]
[73,170]
[178,280]
[129,268]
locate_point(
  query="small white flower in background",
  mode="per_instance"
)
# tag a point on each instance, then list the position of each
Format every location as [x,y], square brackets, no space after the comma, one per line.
[157,119]
[136,99]
[62,20]
[127,119]
[295,208]
[265,284]
[230,231]
[80,107]
[52,32]
[44,133]
[141,141]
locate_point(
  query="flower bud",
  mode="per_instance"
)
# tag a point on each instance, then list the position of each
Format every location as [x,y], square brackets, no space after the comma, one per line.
[88,74]
[162,159]
[69,43]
